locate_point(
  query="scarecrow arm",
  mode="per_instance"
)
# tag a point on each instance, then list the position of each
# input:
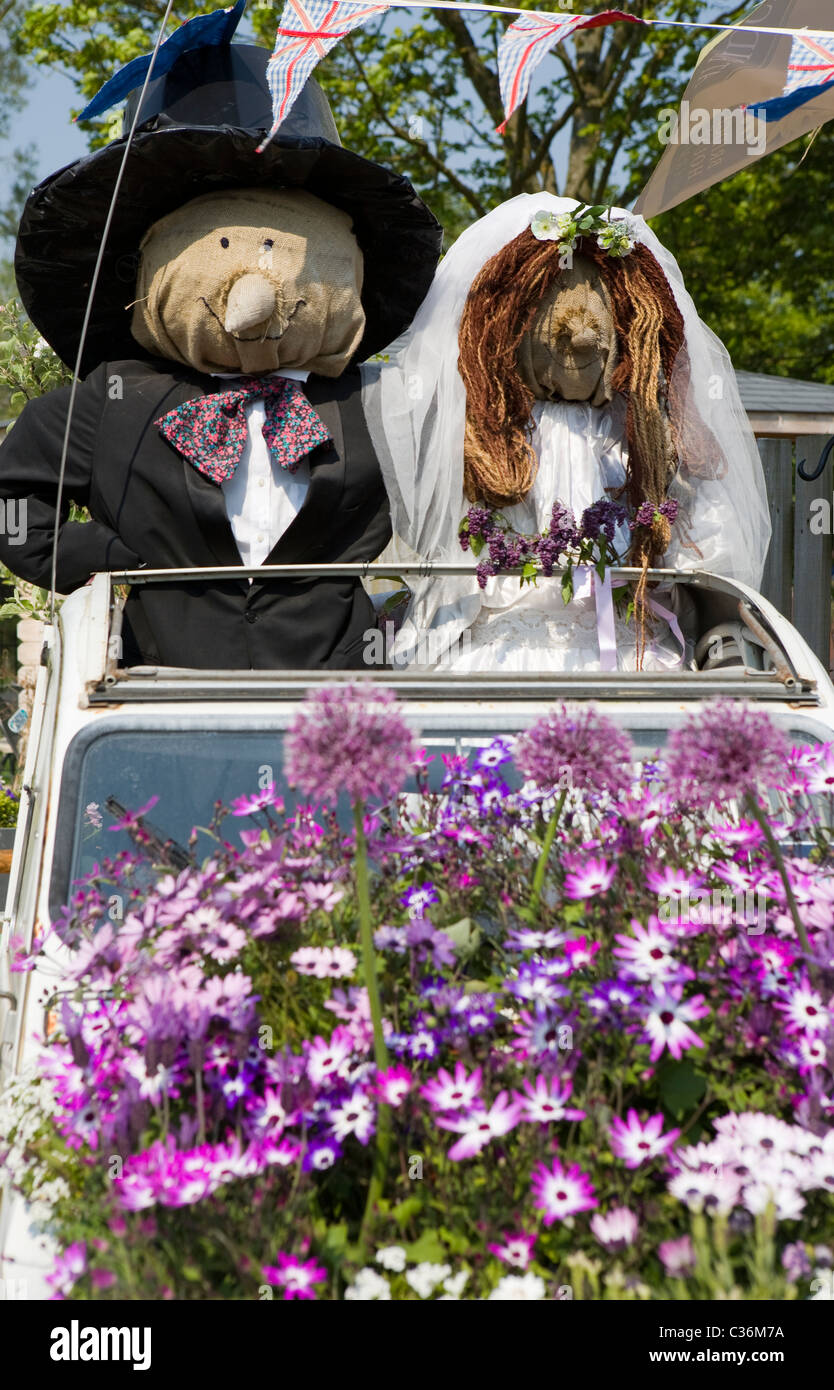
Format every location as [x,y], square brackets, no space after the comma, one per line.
[30,461]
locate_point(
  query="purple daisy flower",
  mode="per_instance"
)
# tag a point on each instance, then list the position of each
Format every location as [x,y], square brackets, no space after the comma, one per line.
[636,1141]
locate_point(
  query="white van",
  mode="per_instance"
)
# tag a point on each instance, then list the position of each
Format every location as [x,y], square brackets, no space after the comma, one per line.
[104,738]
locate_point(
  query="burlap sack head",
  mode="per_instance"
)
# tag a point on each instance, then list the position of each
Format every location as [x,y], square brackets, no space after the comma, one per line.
[570,350]
[251,280]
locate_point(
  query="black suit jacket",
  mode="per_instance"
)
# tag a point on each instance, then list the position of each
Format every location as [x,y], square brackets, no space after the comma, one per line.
[149,505]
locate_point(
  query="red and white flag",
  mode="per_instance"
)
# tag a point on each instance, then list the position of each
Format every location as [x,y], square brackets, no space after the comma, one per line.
[307,30]
[528,40]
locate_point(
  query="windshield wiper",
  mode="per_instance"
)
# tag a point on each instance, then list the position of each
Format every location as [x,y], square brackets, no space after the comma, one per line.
[169,851]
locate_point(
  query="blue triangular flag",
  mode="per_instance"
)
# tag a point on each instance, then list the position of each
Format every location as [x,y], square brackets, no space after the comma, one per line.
[203,31]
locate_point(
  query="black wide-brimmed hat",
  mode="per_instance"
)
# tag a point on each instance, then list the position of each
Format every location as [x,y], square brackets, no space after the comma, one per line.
[201,125]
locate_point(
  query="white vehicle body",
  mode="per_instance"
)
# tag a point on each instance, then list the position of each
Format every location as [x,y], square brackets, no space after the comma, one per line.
[89,714]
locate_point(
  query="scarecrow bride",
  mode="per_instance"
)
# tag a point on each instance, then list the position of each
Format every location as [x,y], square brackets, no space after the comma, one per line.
[557,378]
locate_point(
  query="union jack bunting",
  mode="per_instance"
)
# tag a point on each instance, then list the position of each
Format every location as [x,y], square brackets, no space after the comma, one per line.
[810,72]
[528,40]
[307,30]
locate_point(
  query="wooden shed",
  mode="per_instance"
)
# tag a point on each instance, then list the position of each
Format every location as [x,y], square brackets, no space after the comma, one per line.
[794,424]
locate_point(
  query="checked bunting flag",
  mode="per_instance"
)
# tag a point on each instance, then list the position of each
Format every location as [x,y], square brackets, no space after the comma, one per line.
[528,40]
[307,30]
[810,73]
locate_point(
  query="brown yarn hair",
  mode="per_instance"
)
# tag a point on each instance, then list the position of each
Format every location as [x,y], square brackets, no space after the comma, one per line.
[499,462]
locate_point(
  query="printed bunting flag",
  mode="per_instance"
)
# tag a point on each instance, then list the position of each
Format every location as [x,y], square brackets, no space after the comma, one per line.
[810,73]
[307,30]
[527,41]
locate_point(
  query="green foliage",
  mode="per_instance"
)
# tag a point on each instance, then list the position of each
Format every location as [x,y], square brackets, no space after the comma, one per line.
[28,366]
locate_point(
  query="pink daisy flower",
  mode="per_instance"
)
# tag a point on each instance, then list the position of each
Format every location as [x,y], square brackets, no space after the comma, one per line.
[296,1277]
[587,880]
[667,1022]
[517,1249]
[616,1229]
[392,1086]
[636,1141]
[561,1192]
[480,1126]
[460,1092]
[544,1101]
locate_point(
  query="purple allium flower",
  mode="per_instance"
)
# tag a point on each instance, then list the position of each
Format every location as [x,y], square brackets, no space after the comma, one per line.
[616,1229]
[677,1257]
[349,739]
[636,1141]
[296,1277]
[561,1192]
[723,751]
[576,746]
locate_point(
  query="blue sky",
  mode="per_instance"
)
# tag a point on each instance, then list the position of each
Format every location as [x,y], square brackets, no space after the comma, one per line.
[44,122]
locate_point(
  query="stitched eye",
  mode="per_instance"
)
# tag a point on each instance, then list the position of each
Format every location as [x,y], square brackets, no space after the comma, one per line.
[224,241]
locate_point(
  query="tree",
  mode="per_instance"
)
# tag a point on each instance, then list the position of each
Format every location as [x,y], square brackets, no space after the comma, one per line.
[419,91]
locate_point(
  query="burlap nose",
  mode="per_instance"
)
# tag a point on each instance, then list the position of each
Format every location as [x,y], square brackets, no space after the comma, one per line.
[192,259]
[570,350]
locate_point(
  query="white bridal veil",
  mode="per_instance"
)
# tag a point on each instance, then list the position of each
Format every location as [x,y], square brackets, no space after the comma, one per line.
[415,406]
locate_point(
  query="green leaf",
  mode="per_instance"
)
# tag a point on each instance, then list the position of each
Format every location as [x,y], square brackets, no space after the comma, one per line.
[681,1087]
[476,545]
[428,1247]
[464,934]
[567,587]
[403,1212]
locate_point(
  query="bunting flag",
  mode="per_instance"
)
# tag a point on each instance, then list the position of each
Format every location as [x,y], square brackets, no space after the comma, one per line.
[203,31]
[307,30]
[529,39]
[810,73]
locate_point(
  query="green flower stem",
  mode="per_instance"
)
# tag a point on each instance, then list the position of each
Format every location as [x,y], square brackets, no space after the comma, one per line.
[549,835]
[767,831]
[383,1132]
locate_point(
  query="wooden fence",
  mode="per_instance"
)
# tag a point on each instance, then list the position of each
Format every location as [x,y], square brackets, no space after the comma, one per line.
[797,576]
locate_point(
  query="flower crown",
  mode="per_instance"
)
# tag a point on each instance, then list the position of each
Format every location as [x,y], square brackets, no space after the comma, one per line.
[616,237]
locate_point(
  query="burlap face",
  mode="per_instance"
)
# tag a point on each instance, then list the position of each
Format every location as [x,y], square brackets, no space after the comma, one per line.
[570,350]
[303,279]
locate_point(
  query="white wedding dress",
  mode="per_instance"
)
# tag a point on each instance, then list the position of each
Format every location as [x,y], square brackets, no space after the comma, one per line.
[510,627]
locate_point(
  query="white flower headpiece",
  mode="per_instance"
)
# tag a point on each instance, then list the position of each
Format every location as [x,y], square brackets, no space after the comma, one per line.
[616,237]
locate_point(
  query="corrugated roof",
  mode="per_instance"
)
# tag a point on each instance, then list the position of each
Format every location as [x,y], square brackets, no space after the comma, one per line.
[784,394]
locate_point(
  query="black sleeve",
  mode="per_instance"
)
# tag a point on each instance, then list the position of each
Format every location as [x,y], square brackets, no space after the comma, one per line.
[30,460]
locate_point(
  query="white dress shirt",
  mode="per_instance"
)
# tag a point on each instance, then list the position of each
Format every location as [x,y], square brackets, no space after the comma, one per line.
[262,498]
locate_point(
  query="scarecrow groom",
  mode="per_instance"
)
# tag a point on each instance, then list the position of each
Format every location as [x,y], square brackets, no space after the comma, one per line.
[220,423]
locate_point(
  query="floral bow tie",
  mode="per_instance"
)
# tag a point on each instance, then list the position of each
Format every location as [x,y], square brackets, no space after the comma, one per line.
[211,431]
